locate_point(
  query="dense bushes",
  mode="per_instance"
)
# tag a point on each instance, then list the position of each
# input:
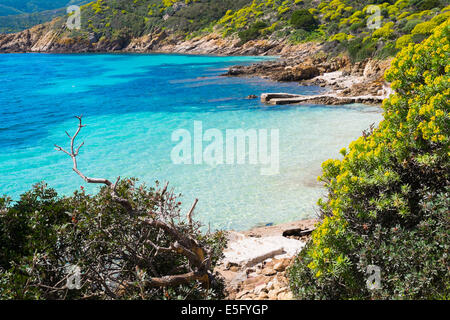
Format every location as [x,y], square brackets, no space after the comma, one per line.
[388,198]
[303,19]
[42,235]
[359,49]
[253,32]
[108,17]
[118,21]
[429,4]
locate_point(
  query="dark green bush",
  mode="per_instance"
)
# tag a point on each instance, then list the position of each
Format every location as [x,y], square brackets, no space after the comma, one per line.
[358,26]
[388,50]
[418,38]
[429,4]
[409,26]
[413,259]
[359,50]
[303,19]
[253,32]
[42,234]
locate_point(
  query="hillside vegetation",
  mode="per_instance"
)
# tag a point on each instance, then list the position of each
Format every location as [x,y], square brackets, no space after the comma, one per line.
[346,22]
[350,26]
[388,198]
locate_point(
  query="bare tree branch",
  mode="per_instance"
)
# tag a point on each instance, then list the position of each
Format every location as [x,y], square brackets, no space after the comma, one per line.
[74,153]
[176,280]
[184,243]
[189,215]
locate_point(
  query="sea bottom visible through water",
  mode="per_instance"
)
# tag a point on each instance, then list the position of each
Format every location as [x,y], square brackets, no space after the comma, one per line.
[132,105]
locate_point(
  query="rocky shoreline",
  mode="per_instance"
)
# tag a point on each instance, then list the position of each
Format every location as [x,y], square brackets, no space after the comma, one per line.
[256,261]
[306,63]
[344,82]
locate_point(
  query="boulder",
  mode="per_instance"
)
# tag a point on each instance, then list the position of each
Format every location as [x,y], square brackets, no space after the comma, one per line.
[299,73]
[247,252]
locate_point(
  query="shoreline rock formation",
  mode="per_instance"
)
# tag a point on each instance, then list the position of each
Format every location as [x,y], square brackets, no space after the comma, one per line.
[256,261]
[346,82]
[305,63]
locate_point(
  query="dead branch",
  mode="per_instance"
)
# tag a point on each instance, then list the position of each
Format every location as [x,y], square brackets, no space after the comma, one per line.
[74,153]
[189,215]
[183,243]
[171,281]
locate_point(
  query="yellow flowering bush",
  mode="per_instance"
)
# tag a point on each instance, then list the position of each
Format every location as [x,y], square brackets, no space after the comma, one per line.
[385,31]
[388,198]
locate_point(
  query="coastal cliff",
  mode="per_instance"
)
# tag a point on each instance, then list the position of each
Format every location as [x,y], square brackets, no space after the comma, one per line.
[52,37]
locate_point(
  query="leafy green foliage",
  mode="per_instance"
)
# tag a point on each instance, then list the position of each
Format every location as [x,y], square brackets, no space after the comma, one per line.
[303,19]
[429,4]
[360,48]
[253,32]
[388,198]
[41,235]
[110,18]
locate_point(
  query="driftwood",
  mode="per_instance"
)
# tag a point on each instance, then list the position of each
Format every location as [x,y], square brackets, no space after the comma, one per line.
[184,244]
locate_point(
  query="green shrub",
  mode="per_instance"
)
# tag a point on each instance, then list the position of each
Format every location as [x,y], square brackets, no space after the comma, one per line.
[409,26]
[300,35]
[358,26]
[429,4]
[303,19]
[340,37]
[418,38]
[42,234]
[388,198]
[253,32]
[441,18]
[403,41]
[359,49]
[424,28]
[388,50]
[385,31]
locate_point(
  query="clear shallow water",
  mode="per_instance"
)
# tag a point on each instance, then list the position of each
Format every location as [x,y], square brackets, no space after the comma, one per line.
[133,103]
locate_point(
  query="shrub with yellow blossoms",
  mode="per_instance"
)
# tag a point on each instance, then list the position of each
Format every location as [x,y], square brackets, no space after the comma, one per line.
[388,198]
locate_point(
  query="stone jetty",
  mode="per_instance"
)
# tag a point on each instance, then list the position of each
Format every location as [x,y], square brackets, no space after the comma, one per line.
[327,98]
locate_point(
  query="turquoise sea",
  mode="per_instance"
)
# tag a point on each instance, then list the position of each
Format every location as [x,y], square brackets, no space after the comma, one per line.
[133,103]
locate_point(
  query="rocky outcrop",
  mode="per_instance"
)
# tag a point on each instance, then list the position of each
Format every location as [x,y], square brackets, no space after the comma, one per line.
[299,73]
[328,99]
[255,266]
[53,37]
[293,67]
[361,82]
